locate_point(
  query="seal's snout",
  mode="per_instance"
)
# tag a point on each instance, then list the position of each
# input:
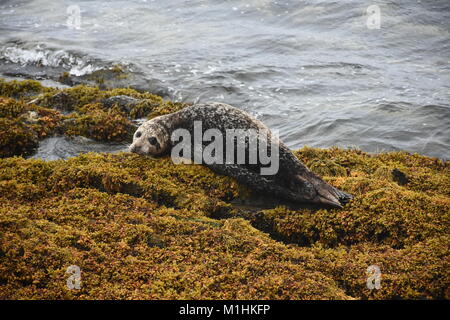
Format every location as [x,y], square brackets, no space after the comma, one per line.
[135,149]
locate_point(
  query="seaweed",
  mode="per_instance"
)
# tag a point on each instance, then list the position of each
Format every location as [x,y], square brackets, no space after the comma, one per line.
[94,122]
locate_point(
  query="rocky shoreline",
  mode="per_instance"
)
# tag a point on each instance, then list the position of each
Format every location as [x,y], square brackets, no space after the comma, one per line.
[143,228]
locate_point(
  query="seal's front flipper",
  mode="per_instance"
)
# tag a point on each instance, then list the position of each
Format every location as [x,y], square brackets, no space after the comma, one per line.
[252,180]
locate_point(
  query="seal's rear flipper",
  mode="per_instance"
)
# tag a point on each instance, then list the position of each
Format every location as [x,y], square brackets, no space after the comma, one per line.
[332,196]
[343,197]
[324,193]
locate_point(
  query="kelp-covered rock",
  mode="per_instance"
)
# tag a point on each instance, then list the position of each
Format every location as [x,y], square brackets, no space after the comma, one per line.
[159,181]
[419,271]
[22,89]
[23,125]
[30,112]
[126,248]
[133,103]
[382,211]
[99,124]
[388,215]
[15,138]
[143,228]
[124,220]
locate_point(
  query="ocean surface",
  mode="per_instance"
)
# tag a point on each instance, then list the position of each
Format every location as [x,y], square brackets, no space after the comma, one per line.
[322,73]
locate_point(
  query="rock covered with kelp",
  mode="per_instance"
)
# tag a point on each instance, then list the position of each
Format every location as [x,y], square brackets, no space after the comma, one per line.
[142,228]
[30,112]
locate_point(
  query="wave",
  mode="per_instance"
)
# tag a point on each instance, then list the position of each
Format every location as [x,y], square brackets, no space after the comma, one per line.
[40,55]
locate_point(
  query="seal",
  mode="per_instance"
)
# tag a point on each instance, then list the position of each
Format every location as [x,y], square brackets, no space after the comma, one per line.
[292,181]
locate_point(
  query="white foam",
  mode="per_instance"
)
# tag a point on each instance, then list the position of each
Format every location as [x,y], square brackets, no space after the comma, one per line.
[37,55]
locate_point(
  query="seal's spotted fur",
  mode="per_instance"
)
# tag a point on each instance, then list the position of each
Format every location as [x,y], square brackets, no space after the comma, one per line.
[293,181]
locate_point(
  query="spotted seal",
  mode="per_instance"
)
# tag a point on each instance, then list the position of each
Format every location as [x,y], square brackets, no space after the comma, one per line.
[293,181]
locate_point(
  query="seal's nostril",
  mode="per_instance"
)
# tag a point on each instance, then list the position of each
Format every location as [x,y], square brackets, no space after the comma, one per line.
[135,149]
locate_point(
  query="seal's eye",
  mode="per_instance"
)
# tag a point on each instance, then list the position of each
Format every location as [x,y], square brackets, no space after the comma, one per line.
[152,141]
[138,134]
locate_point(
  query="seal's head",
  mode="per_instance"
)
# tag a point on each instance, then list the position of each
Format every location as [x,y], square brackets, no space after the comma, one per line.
[151,138]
